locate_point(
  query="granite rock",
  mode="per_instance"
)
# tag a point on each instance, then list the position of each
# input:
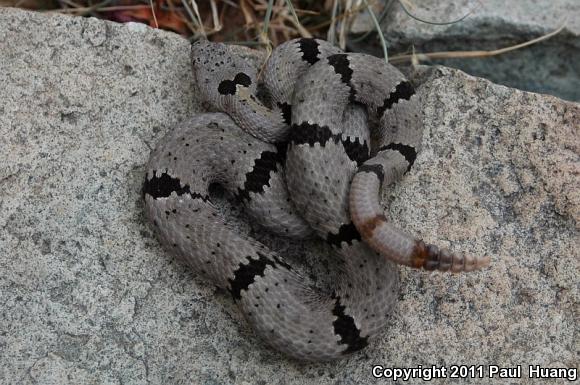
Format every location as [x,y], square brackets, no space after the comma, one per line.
[547,67]
[88,295]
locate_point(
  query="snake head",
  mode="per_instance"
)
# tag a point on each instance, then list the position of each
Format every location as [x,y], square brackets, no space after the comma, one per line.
[221,74]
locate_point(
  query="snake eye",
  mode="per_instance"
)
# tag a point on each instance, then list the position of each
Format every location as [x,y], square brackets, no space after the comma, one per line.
[228,87]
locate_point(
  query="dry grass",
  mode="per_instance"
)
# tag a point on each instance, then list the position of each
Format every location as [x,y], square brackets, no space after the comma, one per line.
[417,57]
[260,22]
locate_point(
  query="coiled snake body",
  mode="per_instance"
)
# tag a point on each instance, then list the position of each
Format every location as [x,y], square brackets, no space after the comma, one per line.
[299,160]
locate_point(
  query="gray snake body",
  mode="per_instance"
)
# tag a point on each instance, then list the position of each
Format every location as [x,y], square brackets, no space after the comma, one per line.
[298,159]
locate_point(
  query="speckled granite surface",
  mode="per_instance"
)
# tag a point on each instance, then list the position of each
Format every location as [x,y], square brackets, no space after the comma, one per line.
[87,295]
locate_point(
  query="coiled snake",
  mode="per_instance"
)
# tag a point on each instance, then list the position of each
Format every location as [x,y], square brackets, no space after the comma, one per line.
[298,158]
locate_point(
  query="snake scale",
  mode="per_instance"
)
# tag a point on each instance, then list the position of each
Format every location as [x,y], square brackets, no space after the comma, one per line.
[295,150]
